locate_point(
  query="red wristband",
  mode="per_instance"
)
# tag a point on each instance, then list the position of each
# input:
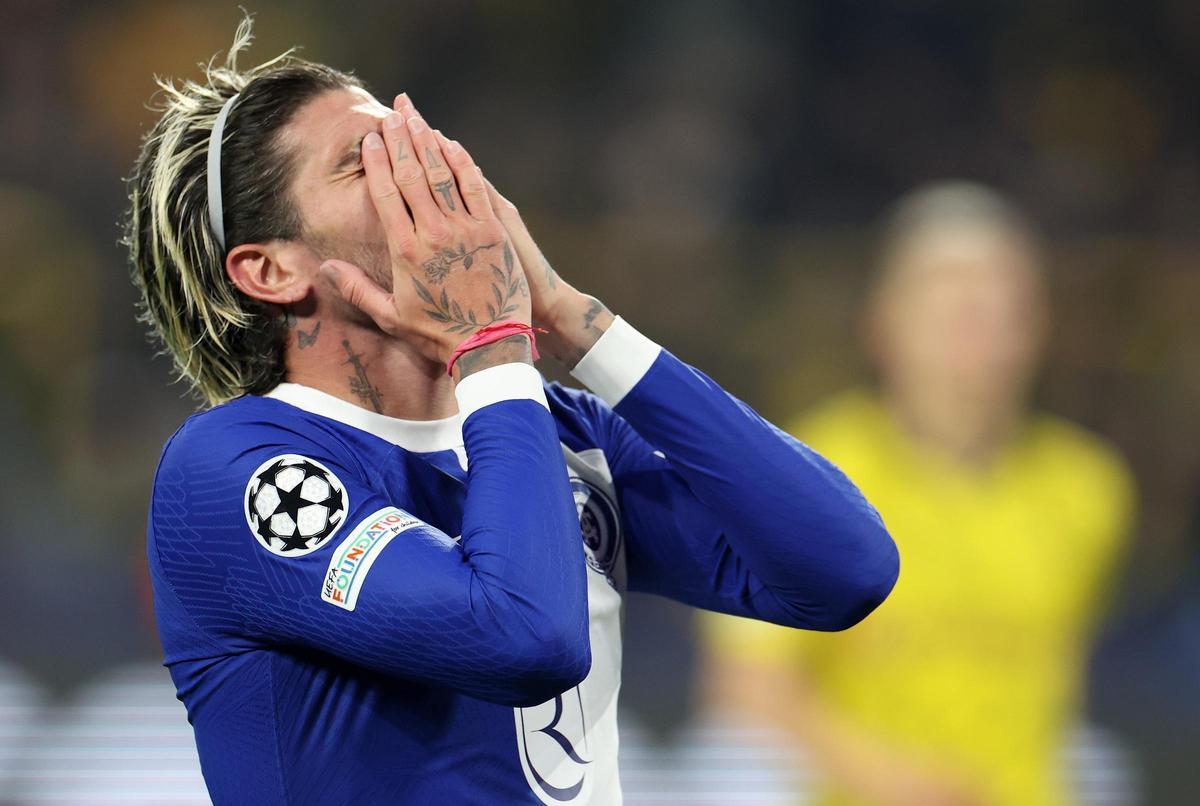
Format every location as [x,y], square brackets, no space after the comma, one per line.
[493,333]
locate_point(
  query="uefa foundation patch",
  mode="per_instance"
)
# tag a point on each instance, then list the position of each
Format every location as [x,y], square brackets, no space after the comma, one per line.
[354,557]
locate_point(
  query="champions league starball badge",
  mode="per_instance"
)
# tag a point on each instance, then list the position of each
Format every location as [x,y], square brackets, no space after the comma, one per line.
[294,505]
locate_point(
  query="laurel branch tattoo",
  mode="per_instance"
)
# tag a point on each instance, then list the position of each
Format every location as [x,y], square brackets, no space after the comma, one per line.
[506,284]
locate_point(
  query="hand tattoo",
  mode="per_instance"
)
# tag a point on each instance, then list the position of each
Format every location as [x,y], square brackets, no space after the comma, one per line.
[506,284]
[439,266]
[360,385]
[444,189]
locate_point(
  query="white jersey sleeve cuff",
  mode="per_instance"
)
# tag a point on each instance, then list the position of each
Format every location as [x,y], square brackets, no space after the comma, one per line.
[616,362]
[516,381]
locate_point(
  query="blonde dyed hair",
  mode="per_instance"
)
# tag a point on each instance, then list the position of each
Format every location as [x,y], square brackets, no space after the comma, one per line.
[223,342]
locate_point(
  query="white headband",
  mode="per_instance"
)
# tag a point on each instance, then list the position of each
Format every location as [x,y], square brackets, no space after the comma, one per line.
[216,210]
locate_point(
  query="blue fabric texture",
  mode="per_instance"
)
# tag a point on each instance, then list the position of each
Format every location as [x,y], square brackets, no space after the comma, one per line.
[482,606]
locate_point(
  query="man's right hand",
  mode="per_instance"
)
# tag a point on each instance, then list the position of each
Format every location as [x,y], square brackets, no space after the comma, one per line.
[453,267]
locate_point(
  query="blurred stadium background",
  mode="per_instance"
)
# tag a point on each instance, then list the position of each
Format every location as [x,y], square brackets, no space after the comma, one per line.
[712,170]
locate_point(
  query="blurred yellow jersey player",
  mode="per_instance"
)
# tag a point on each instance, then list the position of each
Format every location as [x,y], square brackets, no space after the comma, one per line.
[961,688]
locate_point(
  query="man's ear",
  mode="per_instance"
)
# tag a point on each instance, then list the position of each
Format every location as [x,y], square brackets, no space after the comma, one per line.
[260,271]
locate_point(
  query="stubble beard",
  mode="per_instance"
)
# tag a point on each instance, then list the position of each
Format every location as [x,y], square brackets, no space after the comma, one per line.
[371,257]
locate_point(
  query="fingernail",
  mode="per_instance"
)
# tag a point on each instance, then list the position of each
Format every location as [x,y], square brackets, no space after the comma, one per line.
[329,270]
[416,124]
[393,121]
[452,147]
[372,141]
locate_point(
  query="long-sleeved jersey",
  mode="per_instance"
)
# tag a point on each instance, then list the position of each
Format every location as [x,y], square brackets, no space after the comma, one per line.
[361,609]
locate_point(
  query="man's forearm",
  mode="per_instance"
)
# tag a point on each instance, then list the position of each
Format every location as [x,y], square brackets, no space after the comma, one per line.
[580,322]
[820,551]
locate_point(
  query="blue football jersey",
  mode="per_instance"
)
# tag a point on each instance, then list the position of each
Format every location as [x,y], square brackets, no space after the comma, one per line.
[361,609]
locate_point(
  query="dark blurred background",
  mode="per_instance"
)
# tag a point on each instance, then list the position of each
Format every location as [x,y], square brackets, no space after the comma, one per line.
[713,171]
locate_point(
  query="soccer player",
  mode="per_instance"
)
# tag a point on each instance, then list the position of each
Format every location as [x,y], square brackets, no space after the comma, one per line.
[377,582]
[961,689]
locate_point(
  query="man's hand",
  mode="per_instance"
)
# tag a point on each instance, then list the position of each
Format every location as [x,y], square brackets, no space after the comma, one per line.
[454,269]
[574,320]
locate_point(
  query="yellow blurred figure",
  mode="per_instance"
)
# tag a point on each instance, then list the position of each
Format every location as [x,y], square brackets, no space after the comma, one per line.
[959,690]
